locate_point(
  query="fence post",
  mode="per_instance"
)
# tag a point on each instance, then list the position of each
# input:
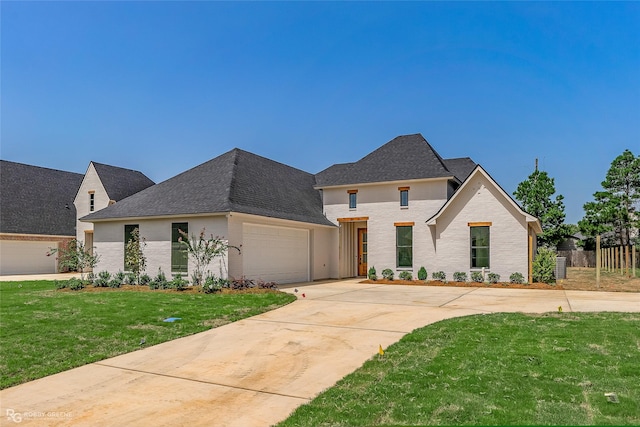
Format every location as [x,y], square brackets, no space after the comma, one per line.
[626,260]
[633,260]
[598,261]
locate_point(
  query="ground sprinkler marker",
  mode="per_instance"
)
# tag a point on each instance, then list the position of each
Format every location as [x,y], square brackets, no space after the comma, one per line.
[172,319]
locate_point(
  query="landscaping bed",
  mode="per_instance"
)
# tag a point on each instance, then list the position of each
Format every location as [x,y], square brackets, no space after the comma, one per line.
[466,284]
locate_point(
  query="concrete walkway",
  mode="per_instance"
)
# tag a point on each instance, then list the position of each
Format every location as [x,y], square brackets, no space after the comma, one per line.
[255,372]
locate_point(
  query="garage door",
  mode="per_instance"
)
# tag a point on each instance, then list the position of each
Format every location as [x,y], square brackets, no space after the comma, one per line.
[275,254]
[26,257]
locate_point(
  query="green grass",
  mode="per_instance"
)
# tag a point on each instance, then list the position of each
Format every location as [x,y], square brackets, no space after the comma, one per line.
[44,331]
[500,369]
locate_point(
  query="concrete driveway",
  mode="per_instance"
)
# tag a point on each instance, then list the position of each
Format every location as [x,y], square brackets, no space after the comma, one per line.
[255,372]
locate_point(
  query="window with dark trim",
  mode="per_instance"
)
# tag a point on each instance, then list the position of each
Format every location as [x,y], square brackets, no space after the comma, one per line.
[480,246]
[404,246]
[353,196]
[128,231]
[179,255]
[92,202]
[404,197]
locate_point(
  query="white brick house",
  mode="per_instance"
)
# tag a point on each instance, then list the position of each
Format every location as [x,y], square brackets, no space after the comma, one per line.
[400,207]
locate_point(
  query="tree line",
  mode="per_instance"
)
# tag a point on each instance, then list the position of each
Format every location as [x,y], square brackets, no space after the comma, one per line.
[613,214]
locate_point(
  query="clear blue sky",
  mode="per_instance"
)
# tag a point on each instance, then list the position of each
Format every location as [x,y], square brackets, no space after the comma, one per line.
[163,86]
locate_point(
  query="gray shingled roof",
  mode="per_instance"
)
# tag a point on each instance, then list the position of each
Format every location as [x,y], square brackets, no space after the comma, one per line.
[120,183]
[37,200]
[405,157]
[461,167]
[237,181]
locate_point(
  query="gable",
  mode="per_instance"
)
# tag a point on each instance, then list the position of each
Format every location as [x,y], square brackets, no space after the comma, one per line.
[120,183]
[477,183]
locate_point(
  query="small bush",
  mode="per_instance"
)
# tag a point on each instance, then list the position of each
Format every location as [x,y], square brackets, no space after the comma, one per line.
[178,283]
[493,277]
[422,274]
[212,284]
[118,280]
[160,281]
[102,281]
[372,274]
[476,276]
[245,284]
[91,277]
[145,279]
[439,275]
[75,284]
[460,276]
[544,266]
[130,279]
[60,284]
[516,278]
[405,275]
[387,274]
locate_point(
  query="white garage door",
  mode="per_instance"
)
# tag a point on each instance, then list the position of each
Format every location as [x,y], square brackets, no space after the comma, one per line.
[275,254]
[24,257]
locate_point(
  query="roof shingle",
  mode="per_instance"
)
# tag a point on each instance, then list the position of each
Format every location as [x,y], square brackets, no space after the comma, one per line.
[37,200]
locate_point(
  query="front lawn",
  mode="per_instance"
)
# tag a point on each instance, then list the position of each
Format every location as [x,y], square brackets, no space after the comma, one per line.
[499,369]
[44,331]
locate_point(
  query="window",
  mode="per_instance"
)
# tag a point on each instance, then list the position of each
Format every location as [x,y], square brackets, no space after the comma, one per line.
[128,230]
[404,246]
[479,247]
[92,201]
[352,198]
[179,255]
[404,197]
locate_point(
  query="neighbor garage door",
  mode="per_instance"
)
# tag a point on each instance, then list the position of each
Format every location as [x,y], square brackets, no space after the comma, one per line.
[276,254]
[26,257]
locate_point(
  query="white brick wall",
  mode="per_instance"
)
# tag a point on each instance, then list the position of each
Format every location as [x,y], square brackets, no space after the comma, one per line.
[90,182]
[481,201]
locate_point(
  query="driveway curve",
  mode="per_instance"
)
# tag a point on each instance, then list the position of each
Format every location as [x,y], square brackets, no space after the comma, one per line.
[256,371]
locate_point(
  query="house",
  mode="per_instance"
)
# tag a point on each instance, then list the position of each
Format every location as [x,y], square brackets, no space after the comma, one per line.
[104,185]
[400,207]
[36,215]
[40,207]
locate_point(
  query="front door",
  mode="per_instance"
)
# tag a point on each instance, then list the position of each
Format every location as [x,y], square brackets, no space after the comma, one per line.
[362,251]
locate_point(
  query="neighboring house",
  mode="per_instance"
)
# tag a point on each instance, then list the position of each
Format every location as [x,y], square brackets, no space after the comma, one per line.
[104,185]
[36,215]
[400,207]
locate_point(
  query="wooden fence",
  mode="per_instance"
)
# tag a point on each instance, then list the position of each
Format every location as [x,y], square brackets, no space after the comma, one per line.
[579,258]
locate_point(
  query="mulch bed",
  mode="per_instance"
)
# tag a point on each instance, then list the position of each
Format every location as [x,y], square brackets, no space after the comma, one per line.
[501,285]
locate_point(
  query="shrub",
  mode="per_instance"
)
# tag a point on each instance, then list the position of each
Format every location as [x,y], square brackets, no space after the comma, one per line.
[212,284]
[516,278]
[102,281]
[387,274]
[460,276]
[145,279]
[118,280]
[372,274]
[178,283]
[544,266]
[476,276]
[493,277]
[91,277]
[75,284]
[405,275]
[160,281]
[243,284]
[60,284]
[422,273]
[439,275]
[130,279]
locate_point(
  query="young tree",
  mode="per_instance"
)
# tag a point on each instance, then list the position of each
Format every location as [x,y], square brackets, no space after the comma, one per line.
[75,257]
[614,209]
[134,257]
[203,250]
[535,196]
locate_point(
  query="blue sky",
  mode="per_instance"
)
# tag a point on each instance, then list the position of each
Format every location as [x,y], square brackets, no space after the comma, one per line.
[163,86]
